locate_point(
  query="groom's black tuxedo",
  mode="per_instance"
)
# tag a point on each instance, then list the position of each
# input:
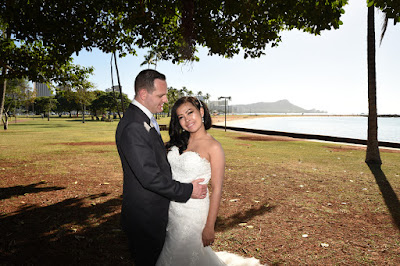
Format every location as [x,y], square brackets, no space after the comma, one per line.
[148,186]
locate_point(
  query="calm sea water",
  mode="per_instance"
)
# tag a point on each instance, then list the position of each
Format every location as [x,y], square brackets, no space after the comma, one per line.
[337,126]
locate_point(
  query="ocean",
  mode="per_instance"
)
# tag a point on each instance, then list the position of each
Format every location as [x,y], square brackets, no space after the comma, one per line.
[337,126]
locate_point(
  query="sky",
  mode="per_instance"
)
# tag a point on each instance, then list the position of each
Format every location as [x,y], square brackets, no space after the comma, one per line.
[326,72]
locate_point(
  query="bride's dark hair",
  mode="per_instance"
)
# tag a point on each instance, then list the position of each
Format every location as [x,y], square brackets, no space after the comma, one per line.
[179,137]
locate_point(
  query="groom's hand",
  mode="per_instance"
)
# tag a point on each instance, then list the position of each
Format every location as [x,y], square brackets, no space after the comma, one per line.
[199,190]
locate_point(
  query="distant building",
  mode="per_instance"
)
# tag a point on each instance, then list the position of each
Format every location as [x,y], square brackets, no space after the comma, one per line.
[219,106]
[41,89]
[116,88]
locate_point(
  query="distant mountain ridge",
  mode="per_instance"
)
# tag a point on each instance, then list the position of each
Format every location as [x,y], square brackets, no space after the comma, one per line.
[282,106]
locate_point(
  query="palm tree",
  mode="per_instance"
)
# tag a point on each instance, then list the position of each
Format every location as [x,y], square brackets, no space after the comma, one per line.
[207,97]
[173,96]
[149,60]
[183,92]
[391,10]
[157,57]
[373,155]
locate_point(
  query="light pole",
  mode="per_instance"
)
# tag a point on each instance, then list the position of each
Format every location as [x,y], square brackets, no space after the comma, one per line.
[226,98]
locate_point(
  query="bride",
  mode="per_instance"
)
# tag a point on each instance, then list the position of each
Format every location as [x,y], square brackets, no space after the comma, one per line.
[195,154]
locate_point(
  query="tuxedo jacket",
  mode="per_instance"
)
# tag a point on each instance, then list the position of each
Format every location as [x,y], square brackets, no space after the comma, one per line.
[148,186]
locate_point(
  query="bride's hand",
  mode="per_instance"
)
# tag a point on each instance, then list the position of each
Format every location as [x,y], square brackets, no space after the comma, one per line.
[208,236]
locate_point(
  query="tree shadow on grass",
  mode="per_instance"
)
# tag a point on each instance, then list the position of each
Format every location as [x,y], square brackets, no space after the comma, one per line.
[50,125]
[70,232]
[77,231]
[223,224]
[91,121]
[389,196]
[8,192]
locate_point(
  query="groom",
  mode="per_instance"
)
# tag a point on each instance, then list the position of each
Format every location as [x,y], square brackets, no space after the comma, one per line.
[148,186]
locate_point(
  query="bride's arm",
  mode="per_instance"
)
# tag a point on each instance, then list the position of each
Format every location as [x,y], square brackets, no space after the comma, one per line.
[217,161]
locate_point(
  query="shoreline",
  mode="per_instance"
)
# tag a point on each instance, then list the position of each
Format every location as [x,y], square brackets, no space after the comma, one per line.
[286,136]
[220,119]
[219,123]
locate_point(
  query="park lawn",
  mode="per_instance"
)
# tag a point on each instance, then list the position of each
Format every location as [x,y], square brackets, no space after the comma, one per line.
[285,201]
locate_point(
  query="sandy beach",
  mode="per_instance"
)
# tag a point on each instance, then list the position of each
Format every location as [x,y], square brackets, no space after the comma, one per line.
[220,119]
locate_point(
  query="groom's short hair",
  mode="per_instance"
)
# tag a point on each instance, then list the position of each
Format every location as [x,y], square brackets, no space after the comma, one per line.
[145,80]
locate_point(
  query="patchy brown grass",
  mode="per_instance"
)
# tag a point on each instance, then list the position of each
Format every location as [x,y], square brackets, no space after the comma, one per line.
[255,137]
[285,201]
[85,143]
[358,148]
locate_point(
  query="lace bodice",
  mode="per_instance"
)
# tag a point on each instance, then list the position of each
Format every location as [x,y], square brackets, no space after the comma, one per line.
[188,166]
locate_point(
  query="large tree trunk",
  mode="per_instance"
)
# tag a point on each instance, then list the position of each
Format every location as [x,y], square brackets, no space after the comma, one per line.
[372,156]
[5,120]
[5,117]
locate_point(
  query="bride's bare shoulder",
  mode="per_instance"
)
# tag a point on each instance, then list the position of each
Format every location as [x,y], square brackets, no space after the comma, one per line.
[213,146]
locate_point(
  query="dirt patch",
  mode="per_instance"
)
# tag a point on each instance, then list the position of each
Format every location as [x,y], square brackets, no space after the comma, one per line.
[85,143]
[280,214]
[258,137]
[264,138]
[345,148]
[358,148]
[69,216]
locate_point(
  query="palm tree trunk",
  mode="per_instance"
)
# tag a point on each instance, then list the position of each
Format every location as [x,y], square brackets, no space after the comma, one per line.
[113,89]
[3,87]
[119,83]
[372,156]
[3,84]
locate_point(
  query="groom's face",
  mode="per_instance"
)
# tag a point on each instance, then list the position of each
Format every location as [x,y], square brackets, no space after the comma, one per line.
[154,101]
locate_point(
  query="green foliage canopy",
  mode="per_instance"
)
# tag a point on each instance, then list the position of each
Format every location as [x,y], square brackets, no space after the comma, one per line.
[38,37]
[105,101]
[391,8]
[45,104]
[173,28]
[18,94]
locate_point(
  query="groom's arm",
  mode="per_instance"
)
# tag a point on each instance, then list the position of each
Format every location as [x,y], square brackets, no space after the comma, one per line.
[139,151]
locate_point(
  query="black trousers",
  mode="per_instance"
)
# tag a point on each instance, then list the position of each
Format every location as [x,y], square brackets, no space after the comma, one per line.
[145,249]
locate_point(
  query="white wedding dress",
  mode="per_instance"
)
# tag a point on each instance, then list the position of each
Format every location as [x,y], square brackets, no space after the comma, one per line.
[183,245]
